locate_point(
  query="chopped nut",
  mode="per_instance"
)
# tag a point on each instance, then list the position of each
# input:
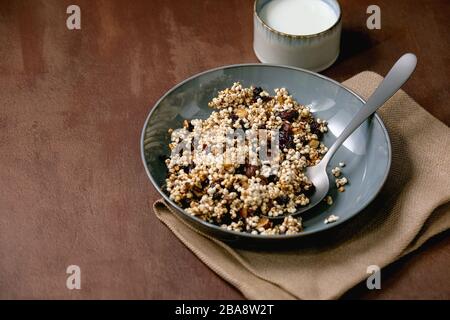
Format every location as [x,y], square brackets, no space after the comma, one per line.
[243,212]
[263,223]
[241,113]
[228,166]
[314,143]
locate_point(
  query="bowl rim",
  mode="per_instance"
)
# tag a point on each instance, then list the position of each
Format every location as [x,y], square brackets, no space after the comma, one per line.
[245,234]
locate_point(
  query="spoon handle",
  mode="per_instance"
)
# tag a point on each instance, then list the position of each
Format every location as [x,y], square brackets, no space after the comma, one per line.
[396,77]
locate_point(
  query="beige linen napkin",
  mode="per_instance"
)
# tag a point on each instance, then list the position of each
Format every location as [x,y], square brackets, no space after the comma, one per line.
[412,207]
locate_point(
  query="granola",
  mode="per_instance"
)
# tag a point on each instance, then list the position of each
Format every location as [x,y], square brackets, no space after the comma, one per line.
[232,189]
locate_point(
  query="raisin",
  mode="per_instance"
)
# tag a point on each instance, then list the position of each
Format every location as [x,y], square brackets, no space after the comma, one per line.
[263,179]
[234,117]
[256,92]
[283,200]
[257,95]
[250,170]
[185,203]
[226,218]
[257,212]
[240,169]
[232,189]
[205,183]
[308,193]
[187,169]
[286,127]
[315,129]
[286,139]
[289,115]
[197,192]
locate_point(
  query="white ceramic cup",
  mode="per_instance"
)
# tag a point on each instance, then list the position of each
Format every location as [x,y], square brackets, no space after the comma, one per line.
[314,52]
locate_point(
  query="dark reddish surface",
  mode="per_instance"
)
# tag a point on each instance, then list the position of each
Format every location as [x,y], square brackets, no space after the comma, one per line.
[73,189]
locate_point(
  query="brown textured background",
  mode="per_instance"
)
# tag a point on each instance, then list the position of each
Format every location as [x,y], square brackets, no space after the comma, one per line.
[72,104]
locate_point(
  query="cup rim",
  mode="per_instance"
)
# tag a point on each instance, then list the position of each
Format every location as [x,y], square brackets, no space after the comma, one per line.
[297,36]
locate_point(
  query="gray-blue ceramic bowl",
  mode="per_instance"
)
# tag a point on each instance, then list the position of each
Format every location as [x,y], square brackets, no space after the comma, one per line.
[366,153]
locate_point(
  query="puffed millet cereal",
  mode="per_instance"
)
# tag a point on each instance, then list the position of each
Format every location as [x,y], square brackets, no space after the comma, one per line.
[336,171]
[332,218]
